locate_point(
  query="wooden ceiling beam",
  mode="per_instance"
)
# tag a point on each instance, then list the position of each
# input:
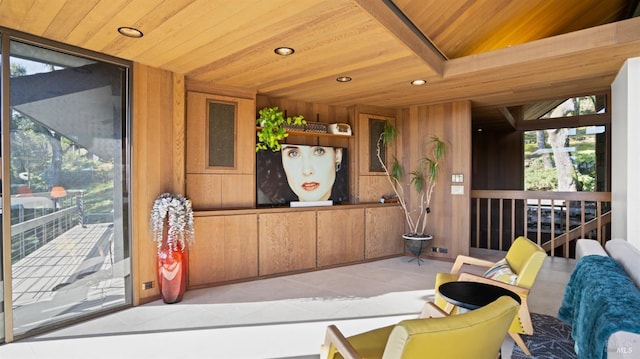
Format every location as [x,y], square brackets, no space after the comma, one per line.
[508,116]
[559,46]
[390,17]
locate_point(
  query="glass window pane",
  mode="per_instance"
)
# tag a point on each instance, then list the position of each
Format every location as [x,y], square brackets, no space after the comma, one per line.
[575,106]
[565,159]
[67,175]
[376,127]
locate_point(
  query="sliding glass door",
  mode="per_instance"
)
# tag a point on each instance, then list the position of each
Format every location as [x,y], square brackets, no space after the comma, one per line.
[66,177]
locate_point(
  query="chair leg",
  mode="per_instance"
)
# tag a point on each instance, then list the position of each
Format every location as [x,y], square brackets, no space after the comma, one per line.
[518,340]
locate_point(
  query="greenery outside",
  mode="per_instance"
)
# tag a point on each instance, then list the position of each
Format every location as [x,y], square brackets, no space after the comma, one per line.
[563,159]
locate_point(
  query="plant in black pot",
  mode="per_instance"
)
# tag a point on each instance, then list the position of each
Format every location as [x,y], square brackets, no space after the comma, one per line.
[421,181]
[273,128]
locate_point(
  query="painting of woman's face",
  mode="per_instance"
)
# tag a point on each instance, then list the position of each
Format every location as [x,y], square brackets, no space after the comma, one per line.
[311,170]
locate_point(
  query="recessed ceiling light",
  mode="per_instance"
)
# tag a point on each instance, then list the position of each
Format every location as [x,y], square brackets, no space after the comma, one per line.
[284,51]
[418,82]
[343,79]
[130,32]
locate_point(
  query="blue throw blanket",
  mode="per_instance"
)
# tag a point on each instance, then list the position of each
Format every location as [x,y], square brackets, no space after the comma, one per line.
[600,299]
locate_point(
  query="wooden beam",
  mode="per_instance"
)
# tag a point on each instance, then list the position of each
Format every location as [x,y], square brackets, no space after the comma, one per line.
[389,16]
[560,46]
[508,116]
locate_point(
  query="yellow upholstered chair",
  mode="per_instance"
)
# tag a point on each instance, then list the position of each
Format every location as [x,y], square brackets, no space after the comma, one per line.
[516,272]
[476,334]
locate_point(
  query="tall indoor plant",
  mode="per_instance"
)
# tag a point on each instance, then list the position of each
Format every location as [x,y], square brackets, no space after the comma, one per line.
[422,180]
[173,231]
[273,128]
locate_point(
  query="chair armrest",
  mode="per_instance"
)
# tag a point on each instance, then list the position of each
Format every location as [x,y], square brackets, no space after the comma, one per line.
[462,260]
[431,310]
[335,337]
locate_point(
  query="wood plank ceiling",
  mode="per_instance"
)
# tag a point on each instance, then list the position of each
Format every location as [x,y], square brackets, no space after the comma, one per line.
[496,53]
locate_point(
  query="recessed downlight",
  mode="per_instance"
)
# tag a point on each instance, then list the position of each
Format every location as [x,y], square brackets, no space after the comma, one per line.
[343,79]
[418,82]
[284,51]
[130,32]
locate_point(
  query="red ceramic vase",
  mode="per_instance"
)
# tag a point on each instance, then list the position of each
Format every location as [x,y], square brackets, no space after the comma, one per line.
[172,273]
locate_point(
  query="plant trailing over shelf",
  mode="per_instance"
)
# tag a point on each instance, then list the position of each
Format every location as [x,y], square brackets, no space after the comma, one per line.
[272,129]
[422,180]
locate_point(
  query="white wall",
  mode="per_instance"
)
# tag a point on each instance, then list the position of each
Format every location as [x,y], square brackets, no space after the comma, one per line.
[625,153]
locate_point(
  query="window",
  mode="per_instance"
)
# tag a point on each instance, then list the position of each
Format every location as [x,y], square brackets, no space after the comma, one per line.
[66,182]
[567,159]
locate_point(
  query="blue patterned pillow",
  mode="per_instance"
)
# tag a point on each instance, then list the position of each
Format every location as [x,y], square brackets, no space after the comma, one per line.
[501,272]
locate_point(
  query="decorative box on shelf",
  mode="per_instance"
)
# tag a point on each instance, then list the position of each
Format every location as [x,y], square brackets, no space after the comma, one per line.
[316,127]
[292,127]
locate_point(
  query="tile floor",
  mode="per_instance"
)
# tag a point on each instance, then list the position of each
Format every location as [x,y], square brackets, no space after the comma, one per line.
[283,317]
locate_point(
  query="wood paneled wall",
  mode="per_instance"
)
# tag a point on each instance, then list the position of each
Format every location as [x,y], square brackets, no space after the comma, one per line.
[495,156]
[159,158]
[158,162]
[449,217]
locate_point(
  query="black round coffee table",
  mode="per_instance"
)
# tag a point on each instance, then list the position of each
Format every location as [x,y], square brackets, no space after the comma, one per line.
[473,295]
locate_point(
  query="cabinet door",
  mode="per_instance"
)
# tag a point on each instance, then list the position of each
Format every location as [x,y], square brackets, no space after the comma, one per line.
[220,155]
[218,130]
[340,236]
[287,242]
[384,228]
[225,249]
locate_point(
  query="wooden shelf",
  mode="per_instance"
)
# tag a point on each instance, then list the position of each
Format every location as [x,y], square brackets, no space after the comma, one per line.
[311,134]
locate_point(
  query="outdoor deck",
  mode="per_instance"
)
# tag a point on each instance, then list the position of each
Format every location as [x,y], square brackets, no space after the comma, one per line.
[72,274]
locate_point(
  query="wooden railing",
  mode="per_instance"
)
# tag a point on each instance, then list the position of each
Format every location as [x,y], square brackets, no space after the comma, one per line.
[554,220]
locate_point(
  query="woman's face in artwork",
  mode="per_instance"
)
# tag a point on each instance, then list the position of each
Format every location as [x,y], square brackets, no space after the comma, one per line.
[311,170]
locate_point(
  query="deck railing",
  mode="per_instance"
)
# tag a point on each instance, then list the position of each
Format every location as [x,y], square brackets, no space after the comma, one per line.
[554,220]
[36,219]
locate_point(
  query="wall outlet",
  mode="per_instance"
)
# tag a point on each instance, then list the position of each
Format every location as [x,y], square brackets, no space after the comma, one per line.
[147,285]
[439,250]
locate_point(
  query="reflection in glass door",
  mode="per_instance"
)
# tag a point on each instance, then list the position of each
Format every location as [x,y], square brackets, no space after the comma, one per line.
[69,251]
[2,115]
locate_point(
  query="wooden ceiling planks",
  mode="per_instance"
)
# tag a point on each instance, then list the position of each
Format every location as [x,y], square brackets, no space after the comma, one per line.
[230,43]
[462,28]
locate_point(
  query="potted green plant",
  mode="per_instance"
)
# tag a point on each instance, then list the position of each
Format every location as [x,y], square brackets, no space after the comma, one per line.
[421,181]
[273,128]
[173,231]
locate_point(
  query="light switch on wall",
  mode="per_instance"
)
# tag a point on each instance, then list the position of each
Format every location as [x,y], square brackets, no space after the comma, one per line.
[457,190]
[457,178]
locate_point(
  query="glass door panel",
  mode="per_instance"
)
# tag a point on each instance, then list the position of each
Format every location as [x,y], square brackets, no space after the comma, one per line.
[69,251]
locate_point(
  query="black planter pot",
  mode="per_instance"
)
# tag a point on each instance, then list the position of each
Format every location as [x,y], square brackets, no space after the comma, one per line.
[416,244]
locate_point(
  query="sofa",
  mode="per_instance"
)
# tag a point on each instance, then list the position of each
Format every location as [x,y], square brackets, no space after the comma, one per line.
[602,300]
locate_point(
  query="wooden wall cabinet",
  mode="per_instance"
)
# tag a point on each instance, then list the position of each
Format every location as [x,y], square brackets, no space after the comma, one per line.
[246,244]
[220,165]
[384,229]
[340,236]
[225,249]
[287,242]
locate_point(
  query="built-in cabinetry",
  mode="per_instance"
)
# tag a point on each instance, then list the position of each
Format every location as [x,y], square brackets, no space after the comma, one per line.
[248,244]
[237,241]
[380,222]
[226,249]
[340,236]
[220,155]
[287,242]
